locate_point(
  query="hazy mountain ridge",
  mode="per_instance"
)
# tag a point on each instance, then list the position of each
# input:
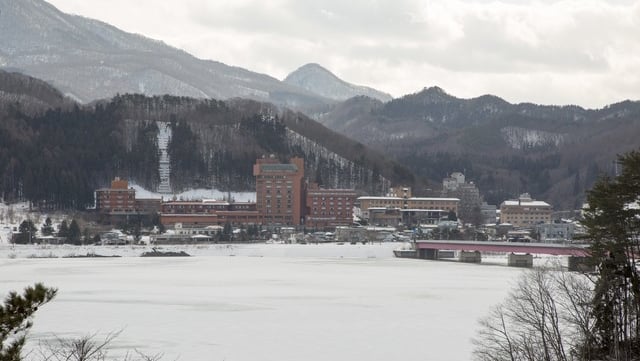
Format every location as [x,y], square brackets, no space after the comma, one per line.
[37,96]
[553,152]
[316,79]
[88,60]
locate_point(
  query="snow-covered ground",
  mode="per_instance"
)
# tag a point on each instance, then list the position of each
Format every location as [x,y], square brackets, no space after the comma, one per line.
[11,215]
[263,301]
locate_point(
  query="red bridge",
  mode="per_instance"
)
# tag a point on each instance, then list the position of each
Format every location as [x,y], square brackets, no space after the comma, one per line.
[518,254]
[507,247]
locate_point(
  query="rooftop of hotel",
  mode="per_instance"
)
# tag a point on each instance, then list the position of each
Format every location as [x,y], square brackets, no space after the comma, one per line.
[408,199]
[273,167]
[526,203]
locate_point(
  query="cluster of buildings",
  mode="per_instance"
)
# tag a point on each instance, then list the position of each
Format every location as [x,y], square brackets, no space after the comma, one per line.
[285,199]
[518,219]
[400,207]
[470,199]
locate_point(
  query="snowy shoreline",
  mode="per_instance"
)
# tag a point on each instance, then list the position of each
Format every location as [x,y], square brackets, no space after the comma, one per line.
[327,250]
[293,251]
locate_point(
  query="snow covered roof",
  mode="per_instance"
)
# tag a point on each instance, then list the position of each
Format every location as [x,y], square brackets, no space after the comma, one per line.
[434,199]
[200,236]
[370,198]
[422,210]
[526,203]
[278,167]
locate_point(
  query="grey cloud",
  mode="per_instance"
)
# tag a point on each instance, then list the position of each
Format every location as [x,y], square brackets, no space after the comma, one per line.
[487,47]
[584,44]
[344,20]
[385,30]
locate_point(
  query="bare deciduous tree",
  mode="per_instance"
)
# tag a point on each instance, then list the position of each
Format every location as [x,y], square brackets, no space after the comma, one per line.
[546,317]
[87,348]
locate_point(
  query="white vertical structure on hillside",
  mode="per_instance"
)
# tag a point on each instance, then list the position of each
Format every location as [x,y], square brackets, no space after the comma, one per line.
[164,135]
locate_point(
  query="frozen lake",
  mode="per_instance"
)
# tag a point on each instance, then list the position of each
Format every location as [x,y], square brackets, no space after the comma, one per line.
[266,302]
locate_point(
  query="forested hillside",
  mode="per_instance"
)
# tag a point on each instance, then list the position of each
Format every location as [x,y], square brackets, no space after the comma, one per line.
[55,153]
[29,95]
[554,153]
[215,143]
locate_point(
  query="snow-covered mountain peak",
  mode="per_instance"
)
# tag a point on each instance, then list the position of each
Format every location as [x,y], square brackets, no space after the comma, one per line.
[315,78]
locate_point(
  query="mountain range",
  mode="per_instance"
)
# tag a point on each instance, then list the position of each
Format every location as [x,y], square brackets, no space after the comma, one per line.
[553,152]
[89,60]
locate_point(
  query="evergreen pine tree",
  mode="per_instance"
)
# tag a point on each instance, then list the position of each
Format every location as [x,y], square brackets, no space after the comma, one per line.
[86,236]
[227,232]
[613,225]
[27,231]
[47,227]
[137,232]
[16,319]
[74,232]
[63,230]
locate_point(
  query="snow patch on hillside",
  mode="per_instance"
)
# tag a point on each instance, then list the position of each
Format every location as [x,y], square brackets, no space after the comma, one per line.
[346,173]
[522,138]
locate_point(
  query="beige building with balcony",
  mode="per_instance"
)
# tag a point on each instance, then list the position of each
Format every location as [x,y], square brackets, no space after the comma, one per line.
[406,202]
[525,212]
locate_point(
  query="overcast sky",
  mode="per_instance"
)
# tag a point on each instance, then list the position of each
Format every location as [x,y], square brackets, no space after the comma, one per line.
[584,52]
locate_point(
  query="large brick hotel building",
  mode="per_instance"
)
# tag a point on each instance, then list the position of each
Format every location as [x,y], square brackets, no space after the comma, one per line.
[279,190]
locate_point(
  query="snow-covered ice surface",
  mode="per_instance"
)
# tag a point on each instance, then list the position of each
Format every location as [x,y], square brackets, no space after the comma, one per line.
[263,302]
